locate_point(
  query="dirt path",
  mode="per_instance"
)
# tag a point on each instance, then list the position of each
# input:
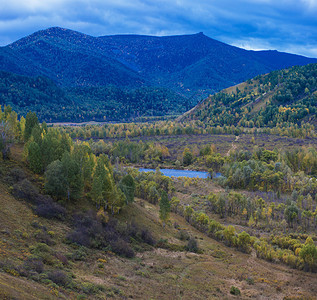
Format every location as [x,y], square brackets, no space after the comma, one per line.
[233,145]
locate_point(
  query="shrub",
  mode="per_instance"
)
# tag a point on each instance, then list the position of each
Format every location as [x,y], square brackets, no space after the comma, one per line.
[90,288]
[15,175]
[183,235]
[62,258]
[59,277]
[79,237]
[32,264]
[43,237]
[50,209]
[235,291]
[79,254]
[43,252]
[147,237]
[122,248]
[192,245]
[26,190]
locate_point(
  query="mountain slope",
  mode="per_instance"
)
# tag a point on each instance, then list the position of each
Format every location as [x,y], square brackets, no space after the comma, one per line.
[54,103]
[190,64]
[287,96]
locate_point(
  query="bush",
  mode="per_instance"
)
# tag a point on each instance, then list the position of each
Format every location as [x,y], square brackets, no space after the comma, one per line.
[59,277]
[192,245]
[79,254]
[26,190]
[15,175]
[183,235]
[31,265]
[50,209]
[235,291]
[43,237]
[147,237]
[122,248]
[62,258]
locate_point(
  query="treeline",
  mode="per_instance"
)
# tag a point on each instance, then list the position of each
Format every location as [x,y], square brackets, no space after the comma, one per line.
[172,128]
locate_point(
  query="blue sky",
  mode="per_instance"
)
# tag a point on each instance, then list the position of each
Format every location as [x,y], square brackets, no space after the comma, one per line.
[284,25]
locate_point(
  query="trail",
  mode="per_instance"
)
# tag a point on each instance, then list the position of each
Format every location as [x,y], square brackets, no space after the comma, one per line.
[233,146]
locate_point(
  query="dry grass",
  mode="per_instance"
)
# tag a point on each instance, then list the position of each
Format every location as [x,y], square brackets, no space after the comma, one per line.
[154,274]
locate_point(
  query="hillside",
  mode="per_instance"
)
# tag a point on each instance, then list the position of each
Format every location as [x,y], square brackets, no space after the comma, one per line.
[194,65]
[281,97]
[28,265]
[53,103]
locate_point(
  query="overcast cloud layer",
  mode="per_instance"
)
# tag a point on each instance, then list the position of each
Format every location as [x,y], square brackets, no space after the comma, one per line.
[284,25]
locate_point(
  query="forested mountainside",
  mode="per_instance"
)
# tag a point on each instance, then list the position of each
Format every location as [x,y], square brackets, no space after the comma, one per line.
[194,65]
[104,103]
[284,96]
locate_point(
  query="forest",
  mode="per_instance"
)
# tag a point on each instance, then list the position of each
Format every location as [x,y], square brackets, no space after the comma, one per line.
[53,103]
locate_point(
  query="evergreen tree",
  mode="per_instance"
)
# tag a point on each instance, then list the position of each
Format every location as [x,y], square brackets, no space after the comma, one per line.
[127,185]
[35,157]
[55,180]
[73,176]
[30,121]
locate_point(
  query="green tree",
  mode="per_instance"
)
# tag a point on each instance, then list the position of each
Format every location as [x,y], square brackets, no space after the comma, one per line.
[73,176]
[35,157]
[30,121]
[55,180]
[291,213]
[187,157]
[127,185]
[309,254]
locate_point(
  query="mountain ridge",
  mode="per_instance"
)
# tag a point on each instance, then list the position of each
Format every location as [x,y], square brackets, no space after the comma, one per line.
[170,61]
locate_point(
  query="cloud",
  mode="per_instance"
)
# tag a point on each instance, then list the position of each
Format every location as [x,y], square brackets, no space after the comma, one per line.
[286,25]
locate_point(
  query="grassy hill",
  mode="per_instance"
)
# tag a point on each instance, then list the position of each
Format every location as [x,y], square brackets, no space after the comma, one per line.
[161,272]
[281,97]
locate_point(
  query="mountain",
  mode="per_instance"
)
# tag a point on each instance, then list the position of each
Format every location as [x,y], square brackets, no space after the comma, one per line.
[185,69]
[189,64]
[287,96]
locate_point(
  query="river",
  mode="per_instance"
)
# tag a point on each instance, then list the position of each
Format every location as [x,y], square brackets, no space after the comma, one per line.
[179,173]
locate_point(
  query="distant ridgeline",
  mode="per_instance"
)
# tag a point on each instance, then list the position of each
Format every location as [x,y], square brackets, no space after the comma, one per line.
[280,97]
[69,76]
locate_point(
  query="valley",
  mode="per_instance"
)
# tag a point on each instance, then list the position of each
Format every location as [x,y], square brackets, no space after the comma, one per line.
[79,115]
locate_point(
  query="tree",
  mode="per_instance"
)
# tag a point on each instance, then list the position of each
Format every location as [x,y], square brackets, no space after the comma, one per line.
[291,213]
[102,185]
[35,157]
[127,185]
[55,180]
[6,139]
[30,121]
[309,254]
[244,241]
[165,207]
[187,157]
[73,176]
